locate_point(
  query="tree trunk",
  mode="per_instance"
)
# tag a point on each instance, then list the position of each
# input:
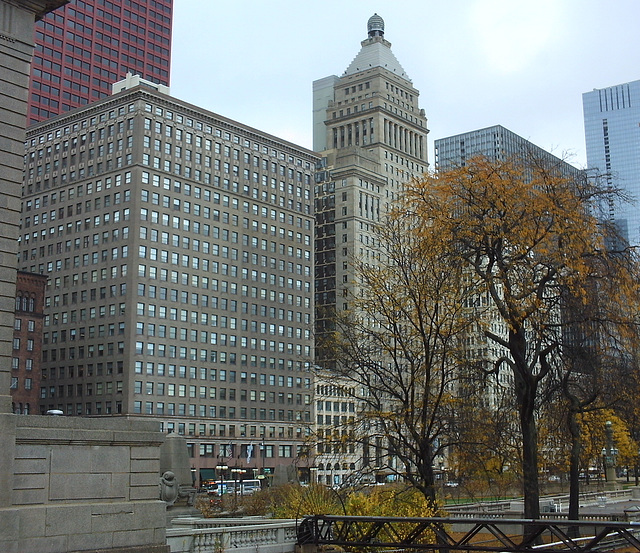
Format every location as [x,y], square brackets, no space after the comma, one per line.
[526,391]
[427,475]
[530,458]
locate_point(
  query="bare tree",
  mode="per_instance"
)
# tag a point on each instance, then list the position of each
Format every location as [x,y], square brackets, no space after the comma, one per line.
[400,345]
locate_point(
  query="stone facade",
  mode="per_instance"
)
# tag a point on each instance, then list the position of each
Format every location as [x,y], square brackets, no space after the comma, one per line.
[27,343]
[80,485]
[180,275]
[66,485]
[16,47]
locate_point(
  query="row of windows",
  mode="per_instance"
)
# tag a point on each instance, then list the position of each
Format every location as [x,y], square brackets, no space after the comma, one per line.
[154,235]
[214,320]
[30,343]
[212,392]
[215,214]
[197,281]
[153,310]
[246,190]
[20,408]
[82,370]
[184,260]
[183,352]
[219,411]
[233,186]
[75,127]
[105,237]
[336,406]
[192,373]
[266,451]
[15,363]
[27,383]
[98,203]
[78,191]
[99,331]
[84,260]
[24,303]
[98,220]
[186,154]
[101,311]
[226,135]
[91,351]
[232,376]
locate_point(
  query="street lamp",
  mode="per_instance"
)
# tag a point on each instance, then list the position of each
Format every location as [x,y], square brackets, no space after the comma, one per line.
[221,469]
[237,475]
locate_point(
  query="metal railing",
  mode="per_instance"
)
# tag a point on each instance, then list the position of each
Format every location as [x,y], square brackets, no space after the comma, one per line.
[469,535]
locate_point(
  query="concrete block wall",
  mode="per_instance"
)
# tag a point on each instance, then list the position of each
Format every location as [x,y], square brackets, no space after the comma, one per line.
[81,485]
[16,47]
[66,484]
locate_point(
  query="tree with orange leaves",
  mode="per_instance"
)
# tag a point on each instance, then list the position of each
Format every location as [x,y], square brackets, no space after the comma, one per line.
[533,241]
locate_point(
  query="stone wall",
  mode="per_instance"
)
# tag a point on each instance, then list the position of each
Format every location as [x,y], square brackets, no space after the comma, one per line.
[73,484]
[16,47]
[66,484]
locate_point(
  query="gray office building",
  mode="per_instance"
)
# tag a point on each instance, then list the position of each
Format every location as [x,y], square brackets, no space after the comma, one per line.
[612,134]
[495,143]
[178,246]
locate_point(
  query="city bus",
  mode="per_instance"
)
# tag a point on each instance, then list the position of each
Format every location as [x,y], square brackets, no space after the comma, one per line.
[244,487]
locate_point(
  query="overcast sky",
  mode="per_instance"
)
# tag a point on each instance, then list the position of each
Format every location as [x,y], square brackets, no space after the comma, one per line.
[521,64]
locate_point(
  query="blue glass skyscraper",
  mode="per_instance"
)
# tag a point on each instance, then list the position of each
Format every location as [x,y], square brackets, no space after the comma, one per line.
[612,133]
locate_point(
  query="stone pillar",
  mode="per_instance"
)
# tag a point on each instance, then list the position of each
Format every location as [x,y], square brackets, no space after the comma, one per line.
[80,484]
[16,49]
[179,493]
[66,484]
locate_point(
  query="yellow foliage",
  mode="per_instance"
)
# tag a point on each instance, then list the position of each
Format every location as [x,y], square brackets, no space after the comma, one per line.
[397,501]
[595,439]
[294,501]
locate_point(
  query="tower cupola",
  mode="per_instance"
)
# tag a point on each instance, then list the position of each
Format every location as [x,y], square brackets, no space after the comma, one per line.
[375,26]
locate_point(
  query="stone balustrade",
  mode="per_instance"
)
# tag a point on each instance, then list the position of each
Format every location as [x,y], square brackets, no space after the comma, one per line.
[210,535]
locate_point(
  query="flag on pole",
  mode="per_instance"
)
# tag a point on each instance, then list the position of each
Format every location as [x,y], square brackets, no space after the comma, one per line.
[249,453]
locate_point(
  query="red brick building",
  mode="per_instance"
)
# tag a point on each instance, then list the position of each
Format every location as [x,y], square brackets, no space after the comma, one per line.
[86,46]
[27,342]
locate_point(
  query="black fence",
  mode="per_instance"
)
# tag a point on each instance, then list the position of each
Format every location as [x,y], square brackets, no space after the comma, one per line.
[452,535]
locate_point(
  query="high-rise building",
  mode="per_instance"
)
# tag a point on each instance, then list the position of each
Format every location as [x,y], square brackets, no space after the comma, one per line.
[86,46]
[178,246]
[612,133]
[495,143]
[372,136]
